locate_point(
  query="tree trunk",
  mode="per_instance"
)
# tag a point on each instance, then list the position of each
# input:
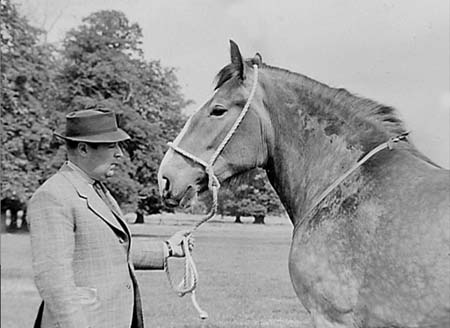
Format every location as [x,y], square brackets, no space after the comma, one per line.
[139,217]
[259,219]
[238,219]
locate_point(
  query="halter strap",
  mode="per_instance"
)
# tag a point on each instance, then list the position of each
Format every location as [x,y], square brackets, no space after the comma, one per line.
[213,181]
[388,144]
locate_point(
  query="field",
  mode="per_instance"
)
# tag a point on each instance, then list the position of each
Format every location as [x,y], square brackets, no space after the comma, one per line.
[243,277]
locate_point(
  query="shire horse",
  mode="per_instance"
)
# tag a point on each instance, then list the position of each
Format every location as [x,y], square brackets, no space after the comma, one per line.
[374,250]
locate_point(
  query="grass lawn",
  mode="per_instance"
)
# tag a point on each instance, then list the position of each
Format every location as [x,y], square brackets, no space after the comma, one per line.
[243,277]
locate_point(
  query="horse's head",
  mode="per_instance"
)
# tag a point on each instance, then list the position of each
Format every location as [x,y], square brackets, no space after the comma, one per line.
[180,177]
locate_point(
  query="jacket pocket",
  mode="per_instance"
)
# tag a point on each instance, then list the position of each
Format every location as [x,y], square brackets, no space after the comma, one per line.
[87,295]
[88,299]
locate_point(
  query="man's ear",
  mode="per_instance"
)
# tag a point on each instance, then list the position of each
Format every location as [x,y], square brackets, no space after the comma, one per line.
[82,149]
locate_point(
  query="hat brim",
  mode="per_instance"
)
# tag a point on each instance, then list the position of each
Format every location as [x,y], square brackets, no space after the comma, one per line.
[114,136]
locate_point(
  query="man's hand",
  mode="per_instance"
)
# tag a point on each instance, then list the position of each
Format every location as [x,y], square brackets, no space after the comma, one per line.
[174,243]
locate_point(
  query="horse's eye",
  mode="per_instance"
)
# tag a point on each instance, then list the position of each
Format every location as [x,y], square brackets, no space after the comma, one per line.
[218,111]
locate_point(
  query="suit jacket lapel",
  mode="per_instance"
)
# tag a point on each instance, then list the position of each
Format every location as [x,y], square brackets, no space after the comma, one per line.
[119,214]
[93,200]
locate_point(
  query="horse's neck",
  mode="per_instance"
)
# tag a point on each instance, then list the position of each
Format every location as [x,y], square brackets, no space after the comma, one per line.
[306,157]
[303,168]
[319,133]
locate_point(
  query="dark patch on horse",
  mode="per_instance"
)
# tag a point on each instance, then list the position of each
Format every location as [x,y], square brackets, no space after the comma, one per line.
[350,203]
[329,207]
[332,129]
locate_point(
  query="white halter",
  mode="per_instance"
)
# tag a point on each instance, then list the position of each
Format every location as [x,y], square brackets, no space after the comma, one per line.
[213,181]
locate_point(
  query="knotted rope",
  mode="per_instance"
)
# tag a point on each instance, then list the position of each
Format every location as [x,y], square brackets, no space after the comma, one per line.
[190,279]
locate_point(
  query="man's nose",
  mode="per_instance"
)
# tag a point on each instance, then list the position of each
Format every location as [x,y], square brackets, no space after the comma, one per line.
[119,151]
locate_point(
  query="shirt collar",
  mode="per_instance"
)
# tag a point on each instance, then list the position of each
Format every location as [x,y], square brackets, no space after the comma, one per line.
[83,174]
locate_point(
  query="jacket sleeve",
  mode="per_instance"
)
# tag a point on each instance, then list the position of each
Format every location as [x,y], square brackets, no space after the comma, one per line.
[52,245]
[147,254]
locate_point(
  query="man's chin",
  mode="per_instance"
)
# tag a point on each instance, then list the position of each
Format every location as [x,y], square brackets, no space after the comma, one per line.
[110,173]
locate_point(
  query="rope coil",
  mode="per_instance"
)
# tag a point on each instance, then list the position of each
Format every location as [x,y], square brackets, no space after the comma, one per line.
[190,279]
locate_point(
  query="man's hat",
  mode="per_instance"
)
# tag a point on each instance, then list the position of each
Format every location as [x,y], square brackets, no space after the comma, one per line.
[95,126]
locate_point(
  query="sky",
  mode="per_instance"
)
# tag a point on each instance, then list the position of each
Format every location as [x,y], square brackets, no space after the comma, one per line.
[396,52]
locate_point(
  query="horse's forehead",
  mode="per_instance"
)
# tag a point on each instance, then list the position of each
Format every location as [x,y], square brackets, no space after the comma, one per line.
[232,90]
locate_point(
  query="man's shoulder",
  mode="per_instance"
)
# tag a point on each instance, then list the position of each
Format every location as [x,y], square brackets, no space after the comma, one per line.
[57,185]
[56,179]
[56,195]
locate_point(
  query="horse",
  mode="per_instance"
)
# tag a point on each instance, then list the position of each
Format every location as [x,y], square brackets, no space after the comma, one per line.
[373,251]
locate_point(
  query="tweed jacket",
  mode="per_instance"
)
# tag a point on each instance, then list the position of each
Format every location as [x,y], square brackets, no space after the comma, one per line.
[82,259]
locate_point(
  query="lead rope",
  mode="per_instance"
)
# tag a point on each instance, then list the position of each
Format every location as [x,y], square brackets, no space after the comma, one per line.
[190,278]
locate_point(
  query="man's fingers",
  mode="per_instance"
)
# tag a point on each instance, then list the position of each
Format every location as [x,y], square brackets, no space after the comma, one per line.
[191,244]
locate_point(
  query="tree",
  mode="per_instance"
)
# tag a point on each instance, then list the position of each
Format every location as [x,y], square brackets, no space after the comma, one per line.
[28,92]
[104,67]
[254,197]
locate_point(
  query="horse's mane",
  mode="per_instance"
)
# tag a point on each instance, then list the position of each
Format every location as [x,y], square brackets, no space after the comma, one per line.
[337,106]
[361,108]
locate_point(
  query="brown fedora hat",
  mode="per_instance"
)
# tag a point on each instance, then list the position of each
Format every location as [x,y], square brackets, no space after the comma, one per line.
[96,126]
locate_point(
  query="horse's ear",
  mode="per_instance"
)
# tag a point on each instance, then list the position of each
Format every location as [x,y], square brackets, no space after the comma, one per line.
[236,58]
[257,60]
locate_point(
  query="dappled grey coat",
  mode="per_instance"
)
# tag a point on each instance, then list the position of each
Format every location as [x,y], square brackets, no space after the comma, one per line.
[81,256]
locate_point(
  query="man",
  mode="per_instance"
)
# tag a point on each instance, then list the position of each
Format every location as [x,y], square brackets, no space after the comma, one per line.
[83,258]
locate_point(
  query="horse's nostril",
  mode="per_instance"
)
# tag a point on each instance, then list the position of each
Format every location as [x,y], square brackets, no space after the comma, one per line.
[166,183]
[166,187]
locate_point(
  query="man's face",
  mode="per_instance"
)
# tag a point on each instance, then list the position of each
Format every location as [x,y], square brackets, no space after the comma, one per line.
[103,159]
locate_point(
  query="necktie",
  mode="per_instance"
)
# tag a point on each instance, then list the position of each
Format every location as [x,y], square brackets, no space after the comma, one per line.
[102,192]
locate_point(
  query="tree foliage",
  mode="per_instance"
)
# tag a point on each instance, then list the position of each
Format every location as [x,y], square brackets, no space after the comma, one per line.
[252,197]
[28,91]
[100,64]
[104,66]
